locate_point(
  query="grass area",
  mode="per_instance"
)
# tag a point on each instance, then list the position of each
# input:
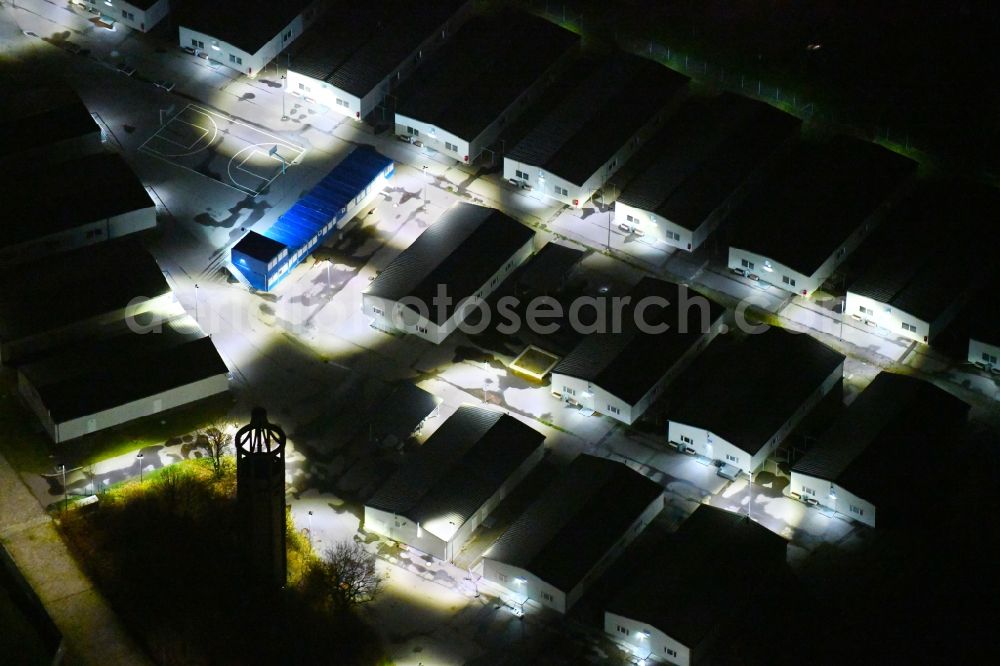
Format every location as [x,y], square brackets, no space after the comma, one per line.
[134,435]
[166,554]
[28,448]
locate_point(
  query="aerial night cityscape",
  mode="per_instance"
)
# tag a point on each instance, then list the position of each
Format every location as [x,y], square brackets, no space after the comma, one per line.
[499,332]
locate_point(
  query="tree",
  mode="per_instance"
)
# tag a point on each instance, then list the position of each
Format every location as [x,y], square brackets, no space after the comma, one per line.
[217,440]
[346,576]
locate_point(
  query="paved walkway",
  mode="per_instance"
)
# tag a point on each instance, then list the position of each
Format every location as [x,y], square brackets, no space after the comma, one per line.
[91,631]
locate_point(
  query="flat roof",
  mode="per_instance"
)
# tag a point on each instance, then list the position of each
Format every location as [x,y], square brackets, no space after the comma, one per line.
[815,198]
[463,248]
[576,521]
[402,411]
[46,295]
[686,137]
[986,318]
[466,84]
[628,363]
[66,195]
[744,392]
[705,575]
[246,24]
[39,117]
[895,419]
[601,114]
[463,464]
[549,266]
[710,181]
[105,374]
[357,45]
[258,246]
[920,270]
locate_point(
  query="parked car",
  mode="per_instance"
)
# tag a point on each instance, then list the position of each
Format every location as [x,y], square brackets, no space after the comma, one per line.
[126,69]
[166,85]
[190,49]
[624,227]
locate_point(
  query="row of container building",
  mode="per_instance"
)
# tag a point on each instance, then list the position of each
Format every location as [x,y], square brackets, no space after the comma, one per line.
[81,298]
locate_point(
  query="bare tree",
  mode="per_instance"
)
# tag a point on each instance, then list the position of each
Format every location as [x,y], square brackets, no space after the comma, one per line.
[346,576]
[217,440]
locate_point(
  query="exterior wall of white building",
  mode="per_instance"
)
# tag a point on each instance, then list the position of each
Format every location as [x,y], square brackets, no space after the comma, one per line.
[658,227]
[582,392]
[468,149]
[462,149]
[834,497]
[402,529]
[388,315]
[710,445]
[236,58]
[894,320]
[528,587]
[646,641]
[555,187]
[87,234]
[134,17]
[984,354]
[137,409]
[353,106]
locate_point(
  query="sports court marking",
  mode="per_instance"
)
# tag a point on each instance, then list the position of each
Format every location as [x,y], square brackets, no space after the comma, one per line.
[228,151]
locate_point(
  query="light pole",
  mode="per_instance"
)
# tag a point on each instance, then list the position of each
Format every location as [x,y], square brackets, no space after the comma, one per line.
[424,171]
[310,529]
[62,468]
[196,318]
[139,458]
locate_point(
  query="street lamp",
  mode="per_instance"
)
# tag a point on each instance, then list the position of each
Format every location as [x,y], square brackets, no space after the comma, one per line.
[62,468]
[310,528]
[196,318]
[424,171]
[139,458]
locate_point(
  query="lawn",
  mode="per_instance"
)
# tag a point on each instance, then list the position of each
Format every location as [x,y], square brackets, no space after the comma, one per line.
[28,448]
[166,554]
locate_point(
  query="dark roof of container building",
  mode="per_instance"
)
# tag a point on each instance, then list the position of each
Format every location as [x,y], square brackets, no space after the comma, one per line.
[895,418]
[549,267]
[463,248]
[86,283]
[42,116]
[745,392]
[577,519]
[709,178]
[919,270]
[683,595]
[68,194]
[599,117]
[102,376]
[357,46]
[628,363]
[258,246]
[466,84]
[815,198]
[464,463]
[246,24]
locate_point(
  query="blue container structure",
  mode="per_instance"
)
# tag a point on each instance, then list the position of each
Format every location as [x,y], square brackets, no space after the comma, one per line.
[266,258]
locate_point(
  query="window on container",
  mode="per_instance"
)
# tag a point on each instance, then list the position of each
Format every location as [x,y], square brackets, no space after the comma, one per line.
[614,410]
[746,264]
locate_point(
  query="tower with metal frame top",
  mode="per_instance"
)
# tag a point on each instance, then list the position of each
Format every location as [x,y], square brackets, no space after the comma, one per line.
[260,498]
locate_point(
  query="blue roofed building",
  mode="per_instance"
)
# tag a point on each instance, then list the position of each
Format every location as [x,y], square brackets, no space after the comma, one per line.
[263,259]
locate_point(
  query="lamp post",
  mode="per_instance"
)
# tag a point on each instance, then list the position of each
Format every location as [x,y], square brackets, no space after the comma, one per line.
[310,528]
[424,172]
[196,290]
[139,458]
[62,468]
